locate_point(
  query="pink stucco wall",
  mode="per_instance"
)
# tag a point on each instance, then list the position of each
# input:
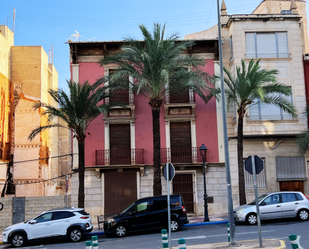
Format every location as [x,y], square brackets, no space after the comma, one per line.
[206,122]
[94,140]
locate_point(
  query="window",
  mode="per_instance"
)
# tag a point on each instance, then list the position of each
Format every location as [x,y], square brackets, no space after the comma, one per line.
[62,215]
[267,45]
[44,217]
[273,199]
[263,111]
[288,197]
[260,179]
[142,206]
[231,45]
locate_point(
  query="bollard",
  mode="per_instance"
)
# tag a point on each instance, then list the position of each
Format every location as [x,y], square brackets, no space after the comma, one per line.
[95,240]
[88,245]
[182,244]
[164,238]
[228,232]
[95,246]
[295,241]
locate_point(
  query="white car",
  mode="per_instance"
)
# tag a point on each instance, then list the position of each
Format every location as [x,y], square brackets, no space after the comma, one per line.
[72,223]
[277,205]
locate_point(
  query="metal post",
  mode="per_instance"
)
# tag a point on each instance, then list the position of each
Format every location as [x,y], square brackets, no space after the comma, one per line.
[66,189]
[256,200]
[206,218]
[168,205]
[226,148]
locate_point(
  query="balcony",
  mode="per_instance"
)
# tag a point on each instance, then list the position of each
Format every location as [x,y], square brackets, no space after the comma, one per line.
[181,155]
[122,96]
[186,97]
[119,157]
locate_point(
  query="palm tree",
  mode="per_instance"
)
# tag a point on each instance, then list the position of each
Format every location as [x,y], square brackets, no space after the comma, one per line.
[158,68]
[302,140]
[252,85]
[78,110]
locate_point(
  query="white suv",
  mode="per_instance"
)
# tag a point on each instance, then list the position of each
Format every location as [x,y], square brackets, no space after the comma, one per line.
[73,223]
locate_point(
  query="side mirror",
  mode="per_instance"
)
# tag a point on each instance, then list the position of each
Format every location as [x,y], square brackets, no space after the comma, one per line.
[262,203]
[33,222]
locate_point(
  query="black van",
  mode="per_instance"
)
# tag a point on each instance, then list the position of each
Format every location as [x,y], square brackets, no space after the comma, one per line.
[148,213]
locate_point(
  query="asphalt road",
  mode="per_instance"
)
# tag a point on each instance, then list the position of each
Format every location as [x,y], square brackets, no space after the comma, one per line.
[194,235]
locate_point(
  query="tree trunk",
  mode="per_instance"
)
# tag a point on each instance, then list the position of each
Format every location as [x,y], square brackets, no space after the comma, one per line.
[240,149]
[81,173]
[157,188]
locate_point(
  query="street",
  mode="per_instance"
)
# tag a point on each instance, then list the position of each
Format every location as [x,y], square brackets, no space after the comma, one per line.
[194,235]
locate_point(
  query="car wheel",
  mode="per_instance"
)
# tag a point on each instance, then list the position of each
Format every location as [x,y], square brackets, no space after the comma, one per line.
[76,234]
[251,219]
[303,214]
[174,225]
[1,206]
[120,231]
[18,239]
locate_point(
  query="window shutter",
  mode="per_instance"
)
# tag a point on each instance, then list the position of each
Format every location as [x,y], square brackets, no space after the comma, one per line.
[250,45]
[254,113]
[286,115]
[269,111]
[266,45]
[283,50]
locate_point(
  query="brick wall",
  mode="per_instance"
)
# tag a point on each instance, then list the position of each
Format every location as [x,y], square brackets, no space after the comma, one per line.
[33,207]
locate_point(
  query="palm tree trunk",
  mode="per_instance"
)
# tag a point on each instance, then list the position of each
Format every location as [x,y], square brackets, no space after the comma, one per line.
[240,149]
[81,173]
[157,188]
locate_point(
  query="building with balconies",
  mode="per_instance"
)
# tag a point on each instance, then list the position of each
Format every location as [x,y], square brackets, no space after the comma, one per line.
[119,146]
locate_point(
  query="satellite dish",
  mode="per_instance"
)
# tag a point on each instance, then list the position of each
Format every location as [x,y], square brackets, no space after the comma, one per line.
[77,36]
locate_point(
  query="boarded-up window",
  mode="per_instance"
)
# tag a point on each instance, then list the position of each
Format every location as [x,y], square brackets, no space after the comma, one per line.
[120,144]
[181,149]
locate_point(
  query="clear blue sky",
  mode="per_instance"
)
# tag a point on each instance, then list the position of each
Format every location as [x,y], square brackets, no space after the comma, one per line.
[45,22]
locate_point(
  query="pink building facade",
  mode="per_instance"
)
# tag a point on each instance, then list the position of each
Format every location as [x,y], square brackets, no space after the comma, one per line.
[119,146]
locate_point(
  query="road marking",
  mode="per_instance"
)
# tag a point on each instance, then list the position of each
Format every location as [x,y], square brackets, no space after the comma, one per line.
[218,235]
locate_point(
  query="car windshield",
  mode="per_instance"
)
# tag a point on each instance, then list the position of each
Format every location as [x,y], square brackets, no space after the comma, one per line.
[127,208]
[261,197]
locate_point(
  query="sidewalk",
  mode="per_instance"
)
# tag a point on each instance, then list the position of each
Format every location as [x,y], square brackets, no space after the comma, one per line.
[248,244]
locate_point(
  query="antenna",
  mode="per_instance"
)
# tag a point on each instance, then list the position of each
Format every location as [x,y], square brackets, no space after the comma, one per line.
[77,36]
[52,54]
[14,15]
[48,56]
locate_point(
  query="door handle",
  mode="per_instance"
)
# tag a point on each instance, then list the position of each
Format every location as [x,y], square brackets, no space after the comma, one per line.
[278,206]
[296,203]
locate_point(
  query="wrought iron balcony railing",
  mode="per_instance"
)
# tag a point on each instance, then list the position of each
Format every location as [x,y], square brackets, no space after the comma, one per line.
[119,157]
[181,155]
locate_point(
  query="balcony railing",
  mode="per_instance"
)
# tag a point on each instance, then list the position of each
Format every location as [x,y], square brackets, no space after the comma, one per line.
[186,97]
[181,155]
[119,157]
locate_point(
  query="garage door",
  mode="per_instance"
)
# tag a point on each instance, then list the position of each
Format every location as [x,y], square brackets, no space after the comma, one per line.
[183,184]
[120,190]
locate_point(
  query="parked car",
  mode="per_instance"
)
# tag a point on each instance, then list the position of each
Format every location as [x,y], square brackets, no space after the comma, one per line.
[72,223]
[148,213]
[277,205]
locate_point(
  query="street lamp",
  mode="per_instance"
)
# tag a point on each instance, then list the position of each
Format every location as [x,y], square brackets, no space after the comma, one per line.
[203,151]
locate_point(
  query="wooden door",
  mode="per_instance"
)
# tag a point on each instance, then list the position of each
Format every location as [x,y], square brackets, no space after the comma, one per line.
[292,186]
[183,185]
[120,144]
[120,190]
[181,151]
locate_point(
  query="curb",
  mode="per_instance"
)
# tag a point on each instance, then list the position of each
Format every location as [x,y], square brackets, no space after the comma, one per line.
[282,246]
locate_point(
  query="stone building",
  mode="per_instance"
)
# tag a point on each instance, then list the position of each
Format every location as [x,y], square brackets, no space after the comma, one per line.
[275,33]
[26,75]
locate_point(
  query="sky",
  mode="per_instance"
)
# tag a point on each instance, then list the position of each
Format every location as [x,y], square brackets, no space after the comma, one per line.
[51,23]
